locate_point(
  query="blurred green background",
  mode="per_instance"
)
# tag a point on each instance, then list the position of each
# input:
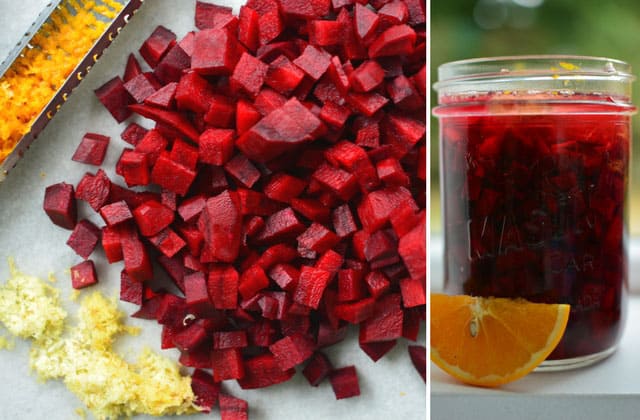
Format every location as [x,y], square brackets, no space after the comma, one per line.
[482,28]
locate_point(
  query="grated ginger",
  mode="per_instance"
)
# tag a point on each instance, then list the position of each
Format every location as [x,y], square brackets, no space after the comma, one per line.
[83,357]
[32,80]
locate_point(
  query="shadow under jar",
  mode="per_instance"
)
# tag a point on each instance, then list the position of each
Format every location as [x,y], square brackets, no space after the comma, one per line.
[534,164]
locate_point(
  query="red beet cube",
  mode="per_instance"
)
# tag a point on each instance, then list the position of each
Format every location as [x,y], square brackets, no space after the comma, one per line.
[216,52]
[116,213]
[168,242]
[317,239]
[197,295]
[130,291]
[221,112]
[227,364]
[91,149]
[60,205]
[313,61]
[221,224]
[269,27]
[216,146]
[376,207]
[223,287]
[366,103]
[205,390]
[386,322]
[151,217]
[111,244]
[412,247]
[281,225]
[83,275]
[375,351]
[248,75]
[283,187]
[190,208]
[377,283]
[152,144]
[252,281]
[397,40]
[136,258]
[132,69]
[391,173]
[311,209]
[404,94]
[262,371]
[344,382]
[368,76]
[325,33]
[286,276]
[335,115]
[184,154]
[133,133]
[355,312]
[242,170]
[229,339]
[134,167]
[280,131]
[194,93]
[365,22]
[311,285]
[115,98]
[94,189]
[248,28]
[343,222]
[283,76]
[232,408]
[177,122]
[140,87]
[190,338]
[292,350]
[206,13]
[317,369]
[394,13]
[418,356]
[84,238]
[171,175]
[336,180]
[175,62]
[163,97]
[158,43]
[351,285]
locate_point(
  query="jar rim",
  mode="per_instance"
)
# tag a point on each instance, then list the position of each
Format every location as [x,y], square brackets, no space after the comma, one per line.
[539,66]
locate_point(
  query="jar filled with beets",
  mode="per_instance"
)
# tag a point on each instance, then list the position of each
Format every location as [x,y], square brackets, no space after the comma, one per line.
[534,161]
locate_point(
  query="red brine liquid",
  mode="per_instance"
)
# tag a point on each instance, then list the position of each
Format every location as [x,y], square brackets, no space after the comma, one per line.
[534,203]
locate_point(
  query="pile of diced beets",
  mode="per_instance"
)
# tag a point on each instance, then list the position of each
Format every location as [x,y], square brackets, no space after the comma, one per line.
[286,199]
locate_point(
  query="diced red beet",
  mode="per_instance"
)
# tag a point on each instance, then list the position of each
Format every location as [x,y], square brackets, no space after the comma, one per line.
[351,285]
[269,27]
[286,276]
[335,115]
[116,213]
[248,29]
[216,52]
[206,13]
[397,40]
[94,189]
[232,408]
[246,116]
[292,350]
[366,103]
[83,275]
[325,33]
[242,170]
[132,68]
[377,206]
[248,75]
[418,356]
[115,98]
[171,175]
[174,120]
[283,76]
[417,13]
[338,181]
[268,100]
[280,226]
[151,217]
[376,350]
[60,205]
[252,280]
[413,293]
[278,253]
[263,370]
[163,97]
[311,209]
[223,287]
[317,369]
[311,285]
[221,224]
[205,390]
[111,244]
[412,249]
[377,283]
[343,222]
[190,338]
[184,154]
[134,167]
[355,312]
[394,13]
[168,242]
[130,291]
[92,149]
[386,322]
[227,364]
[175,62]
[313,61]
[84,238]
[158,43]
[133,133]
[140,87]
[136,258]
[367,76]
[152,144]
[229,339]
[344,382]
[365,23]
[284,187]
[316,240]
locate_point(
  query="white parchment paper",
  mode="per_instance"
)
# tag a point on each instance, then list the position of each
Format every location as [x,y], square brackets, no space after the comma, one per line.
[390,388]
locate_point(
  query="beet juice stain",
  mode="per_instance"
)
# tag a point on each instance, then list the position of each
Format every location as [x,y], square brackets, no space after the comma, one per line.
[534,186]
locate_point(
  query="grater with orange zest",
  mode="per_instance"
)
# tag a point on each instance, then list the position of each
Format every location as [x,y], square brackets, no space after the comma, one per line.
[49,61]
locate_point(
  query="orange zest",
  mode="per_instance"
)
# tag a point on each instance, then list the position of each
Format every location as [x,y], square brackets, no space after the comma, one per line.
[493,341]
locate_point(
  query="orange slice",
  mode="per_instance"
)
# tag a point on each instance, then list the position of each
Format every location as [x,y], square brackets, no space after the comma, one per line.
[492,341]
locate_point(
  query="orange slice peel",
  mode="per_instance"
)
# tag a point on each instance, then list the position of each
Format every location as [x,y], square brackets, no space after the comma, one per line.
[492,341]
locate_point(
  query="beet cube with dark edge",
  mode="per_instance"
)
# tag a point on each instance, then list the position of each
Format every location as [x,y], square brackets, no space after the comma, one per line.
[205,390]
[60,205]
[92,149]
[115,98]
[84,238]
[344,382]
[158,43]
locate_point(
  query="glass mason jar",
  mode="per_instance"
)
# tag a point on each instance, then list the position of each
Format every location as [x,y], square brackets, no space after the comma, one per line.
[534,161]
